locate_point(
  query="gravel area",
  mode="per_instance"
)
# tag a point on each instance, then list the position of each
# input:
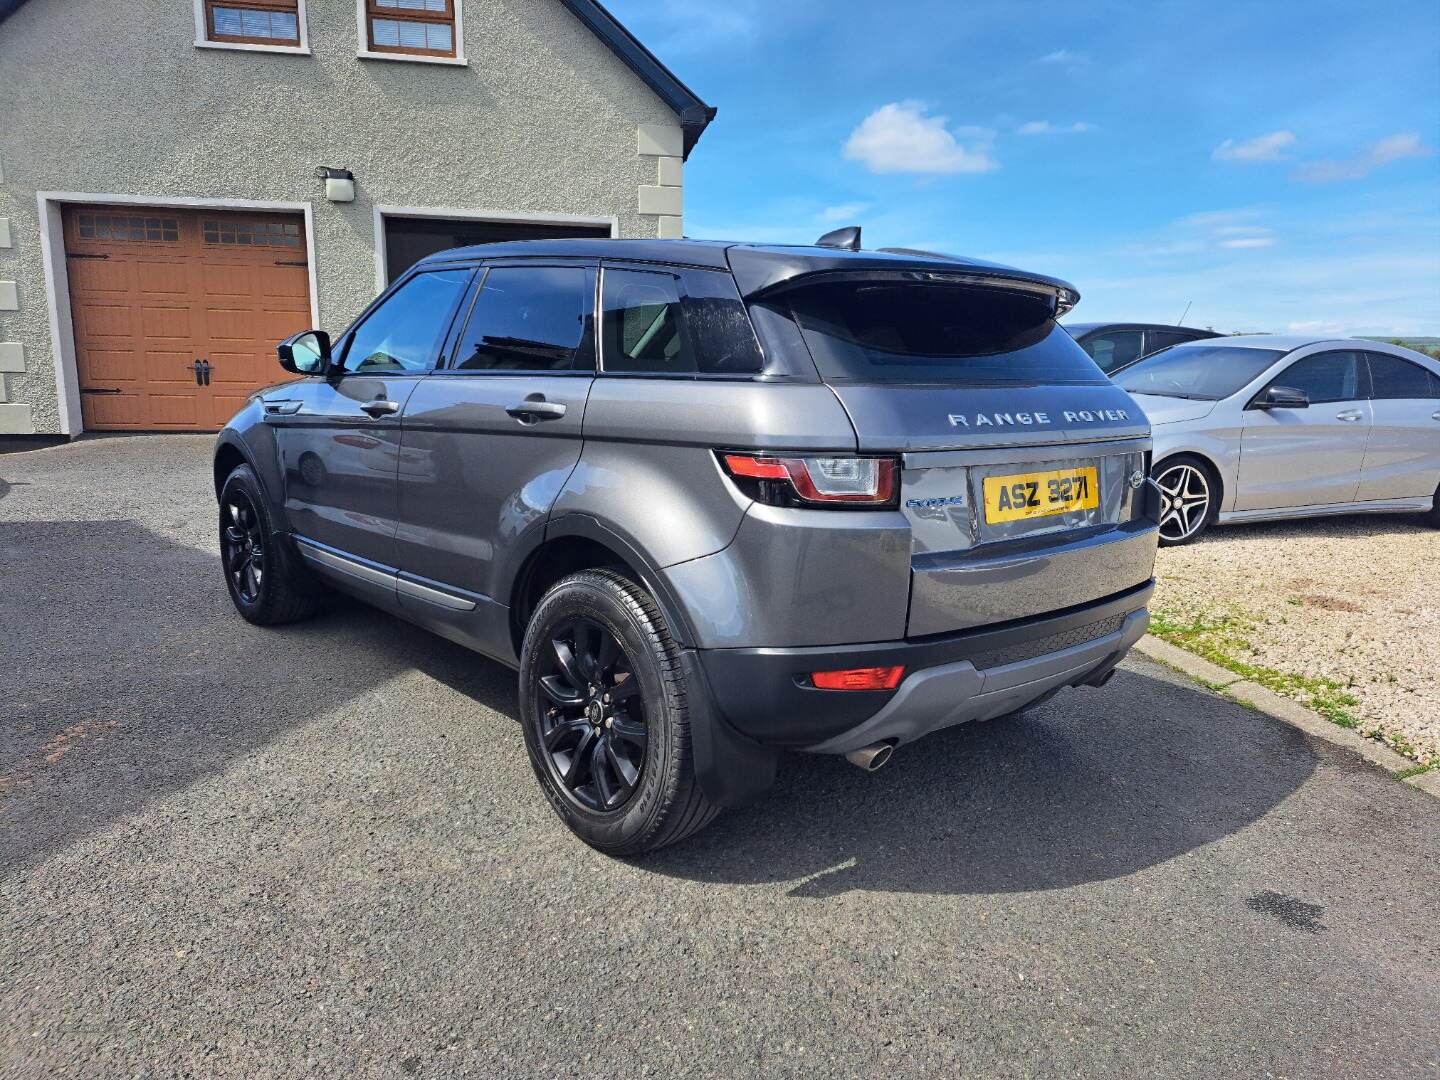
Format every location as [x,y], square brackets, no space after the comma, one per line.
[1354,601]
[320,851]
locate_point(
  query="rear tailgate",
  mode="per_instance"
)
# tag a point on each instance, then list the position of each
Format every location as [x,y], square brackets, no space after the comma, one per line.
[970,567]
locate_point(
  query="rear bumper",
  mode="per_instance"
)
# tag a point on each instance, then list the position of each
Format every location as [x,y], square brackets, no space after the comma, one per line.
[950,679]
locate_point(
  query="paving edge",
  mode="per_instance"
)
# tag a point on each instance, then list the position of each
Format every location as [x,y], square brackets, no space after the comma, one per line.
[1284,709]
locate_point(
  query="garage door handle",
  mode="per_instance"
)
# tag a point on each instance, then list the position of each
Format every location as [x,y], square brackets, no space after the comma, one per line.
[380,407]
[532,411]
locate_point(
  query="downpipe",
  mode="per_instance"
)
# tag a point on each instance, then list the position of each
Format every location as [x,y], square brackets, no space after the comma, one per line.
[871,758]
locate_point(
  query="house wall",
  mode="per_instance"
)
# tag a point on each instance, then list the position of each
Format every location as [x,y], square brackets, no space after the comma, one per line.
[114,97]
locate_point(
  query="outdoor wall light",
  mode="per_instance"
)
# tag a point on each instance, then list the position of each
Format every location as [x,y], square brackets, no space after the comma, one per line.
[339,184]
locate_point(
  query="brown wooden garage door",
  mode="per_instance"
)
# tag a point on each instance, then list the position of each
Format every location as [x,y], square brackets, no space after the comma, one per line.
[157,294]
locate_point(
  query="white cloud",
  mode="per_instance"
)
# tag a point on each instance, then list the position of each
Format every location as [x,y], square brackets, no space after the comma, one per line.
[1259,241]
[1044,127]
[1314,326]
[844,212]
[1269,147]
[900,138]
[1393,148]
[1064,58]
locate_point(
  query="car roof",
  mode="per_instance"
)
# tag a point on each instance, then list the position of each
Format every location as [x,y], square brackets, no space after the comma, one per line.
[1281,342]
[1078,328]
[757,267]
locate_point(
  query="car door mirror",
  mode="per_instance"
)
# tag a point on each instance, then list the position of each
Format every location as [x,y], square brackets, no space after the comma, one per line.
[1281,397]
[305,353]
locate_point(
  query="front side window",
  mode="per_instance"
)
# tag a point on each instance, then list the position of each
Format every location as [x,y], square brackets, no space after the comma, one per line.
[526,318]
[253,22]
[937,334]
[404,333]
[1115,349]
[1155,340]
[416,27]
[1201,372]
[1392,377]
[1324,377]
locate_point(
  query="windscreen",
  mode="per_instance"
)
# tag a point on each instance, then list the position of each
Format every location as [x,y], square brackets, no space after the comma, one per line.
[926,333]
[1201,372]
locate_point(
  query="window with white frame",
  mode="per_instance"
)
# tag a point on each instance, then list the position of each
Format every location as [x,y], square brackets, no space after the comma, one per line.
[420,28]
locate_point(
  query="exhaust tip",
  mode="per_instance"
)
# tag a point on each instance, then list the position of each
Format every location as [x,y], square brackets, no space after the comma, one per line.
[871,758]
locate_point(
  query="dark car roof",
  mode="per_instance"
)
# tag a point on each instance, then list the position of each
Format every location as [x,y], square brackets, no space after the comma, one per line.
[757,267]
[1080,329]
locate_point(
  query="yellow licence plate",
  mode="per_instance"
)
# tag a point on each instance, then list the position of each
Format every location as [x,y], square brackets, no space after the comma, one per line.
[1040,494]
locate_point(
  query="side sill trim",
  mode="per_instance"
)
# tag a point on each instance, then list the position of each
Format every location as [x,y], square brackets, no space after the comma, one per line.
[1380,506]
[345,564]
[413,589]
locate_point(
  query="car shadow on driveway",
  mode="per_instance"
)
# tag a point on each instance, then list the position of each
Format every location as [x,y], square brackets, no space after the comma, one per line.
[130,677]
[1096,784]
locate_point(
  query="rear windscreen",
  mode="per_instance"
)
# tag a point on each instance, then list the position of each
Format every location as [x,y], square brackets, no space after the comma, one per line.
[920,333]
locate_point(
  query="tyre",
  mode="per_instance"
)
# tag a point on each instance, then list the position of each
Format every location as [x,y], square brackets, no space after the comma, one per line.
[267,582]
[1432,516]
[605,711]
[1188,498]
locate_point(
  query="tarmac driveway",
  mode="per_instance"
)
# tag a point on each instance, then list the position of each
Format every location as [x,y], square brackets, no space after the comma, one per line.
[320,851]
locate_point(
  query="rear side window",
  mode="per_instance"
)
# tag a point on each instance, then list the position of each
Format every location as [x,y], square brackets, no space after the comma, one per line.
[526,318]
[1115,349]
[1329,376]
[691,322]
[404,333]
[917,333]
[1392,377]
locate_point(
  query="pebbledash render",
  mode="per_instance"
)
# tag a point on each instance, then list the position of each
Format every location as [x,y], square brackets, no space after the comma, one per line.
[184,183]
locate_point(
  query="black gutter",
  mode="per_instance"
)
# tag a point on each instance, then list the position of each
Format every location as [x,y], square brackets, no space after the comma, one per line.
[694,114]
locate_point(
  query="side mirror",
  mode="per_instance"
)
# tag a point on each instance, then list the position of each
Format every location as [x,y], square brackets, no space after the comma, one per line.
[1281,397]
[305,353]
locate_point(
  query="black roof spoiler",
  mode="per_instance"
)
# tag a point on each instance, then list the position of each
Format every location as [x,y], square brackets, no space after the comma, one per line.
[763,271]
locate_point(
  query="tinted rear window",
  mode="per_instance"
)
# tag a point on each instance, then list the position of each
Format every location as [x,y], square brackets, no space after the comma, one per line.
[1204,372]
[915,333]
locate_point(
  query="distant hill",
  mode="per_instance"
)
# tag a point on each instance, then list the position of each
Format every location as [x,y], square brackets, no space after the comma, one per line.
[1411,342]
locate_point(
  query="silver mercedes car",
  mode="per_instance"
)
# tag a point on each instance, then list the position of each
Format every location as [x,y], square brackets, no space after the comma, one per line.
[1265,427]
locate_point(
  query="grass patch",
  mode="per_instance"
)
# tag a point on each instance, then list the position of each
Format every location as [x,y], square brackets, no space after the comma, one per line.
[1223,640]
[1418,770]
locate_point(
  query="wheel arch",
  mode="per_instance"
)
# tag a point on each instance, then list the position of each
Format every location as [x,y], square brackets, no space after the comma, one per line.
[580,542]
[1205,461]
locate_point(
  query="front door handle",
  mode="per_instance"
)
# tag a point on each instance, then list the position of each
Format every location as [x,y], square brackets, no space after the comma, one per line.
[282,408]
[1350,415]
[380,407]
[534,409]
[1435,416]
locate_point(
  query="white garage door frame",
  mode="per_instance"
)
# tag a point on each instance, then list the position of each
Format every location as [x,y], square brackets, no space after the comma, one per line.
[498,217]
[57,281]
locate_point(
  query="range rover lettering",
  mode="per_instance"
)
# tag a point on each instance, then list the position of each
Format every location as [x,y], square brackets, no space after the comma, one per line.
[714,502]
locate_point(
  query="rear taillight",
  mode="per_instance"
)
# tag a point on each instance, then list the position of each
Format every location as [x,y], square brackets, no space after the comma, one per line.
[865,678]
[815,481]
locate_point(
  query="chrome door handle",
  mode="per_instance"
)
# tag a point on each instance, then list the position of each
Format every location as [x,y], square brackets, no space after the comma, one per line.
[380,407]
[1435,416]
[533,411]
[1350,416]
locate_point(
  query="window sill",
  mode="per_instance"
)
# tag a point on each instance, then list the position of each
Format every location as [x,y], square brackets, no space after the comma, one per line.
[240,46]
[412,58]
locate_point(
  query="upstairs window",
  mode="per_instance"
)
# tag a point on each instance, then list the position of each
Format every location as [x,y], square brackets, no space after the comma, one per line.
[412,27]
[253,22]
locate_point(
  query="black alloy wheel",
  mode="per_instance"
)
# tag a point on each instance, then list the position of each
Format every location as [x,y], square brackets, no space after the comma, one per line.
[591,715]
[242,546]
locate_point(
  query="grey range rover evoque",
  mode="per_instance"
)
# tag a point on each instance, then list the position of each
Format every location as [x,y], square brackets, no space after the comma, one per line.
[714,501]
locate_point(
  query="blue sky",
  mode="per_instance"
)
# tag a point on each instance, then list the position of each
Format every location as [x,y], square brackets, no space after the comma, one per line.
[1277,164]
